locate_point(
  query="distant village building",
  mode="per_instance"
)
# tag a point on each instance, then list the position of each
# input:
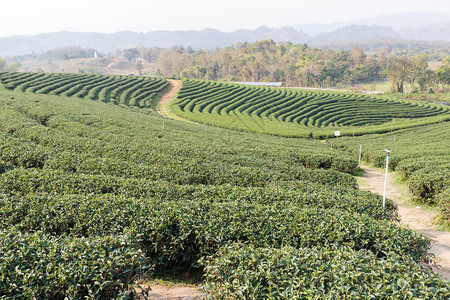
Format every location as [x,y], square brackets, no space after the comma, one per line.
[270,84]
[95,54]
[356,88]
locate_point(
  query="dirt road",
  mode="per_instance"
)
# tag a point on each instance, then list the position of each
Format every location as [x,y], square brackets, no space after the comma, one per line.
[174,86]
[411,217]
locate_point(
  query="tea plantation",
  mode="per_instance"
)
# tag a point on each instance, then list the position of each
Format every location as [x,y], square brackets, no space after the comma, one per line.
[94,197]
[299,113]
[126,90]
[421,155]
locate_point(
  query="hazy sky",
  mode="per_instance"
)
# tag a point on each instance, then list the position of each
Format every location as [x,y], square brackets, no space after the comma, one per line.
[36,16]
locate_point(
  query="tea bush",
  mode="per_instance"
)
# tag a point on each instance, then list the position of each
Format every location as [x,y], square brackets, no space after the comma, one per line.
[248,272]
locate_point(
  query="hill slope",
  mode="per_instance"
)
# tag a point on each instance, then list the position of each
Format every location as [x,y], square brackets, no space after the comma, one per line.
[299,113]
[94,195]
[357,32]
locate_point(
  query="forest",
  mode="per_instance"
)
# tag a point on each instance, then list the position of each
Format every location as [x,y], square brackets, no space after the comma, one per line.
[300,65]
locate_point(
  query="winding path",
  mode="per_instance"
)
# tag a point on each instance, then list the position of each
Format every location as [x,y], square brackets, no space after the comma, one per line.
[162,106]
[412,218]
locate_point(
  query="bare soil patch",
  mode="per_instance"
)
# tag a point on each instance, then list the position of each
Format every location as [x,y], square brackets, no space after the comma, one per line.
[414,218]
[173,292]
[174,87]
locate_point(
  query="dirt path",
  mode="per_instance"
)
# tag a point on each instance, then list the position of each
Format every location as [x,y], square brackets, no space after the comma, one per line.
[111,63]
[412,218]
[162,106]
[175,292]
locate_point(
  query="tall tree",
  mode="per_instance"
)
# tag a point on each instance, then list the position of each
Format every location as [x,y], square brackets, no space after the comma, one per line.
[358,55]
[443,73]
[398,71]
[131,54]
[418,72]
[139,67]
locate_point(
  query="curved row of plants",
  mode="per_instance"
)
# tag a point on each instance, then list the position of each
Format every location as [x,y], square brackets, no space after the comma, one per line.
[95,196]
[126,90]
[298,113]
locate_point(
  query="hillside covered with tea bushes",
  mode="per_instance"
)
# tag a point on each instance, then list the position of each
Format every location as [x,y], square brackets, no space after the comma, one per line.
[94,197]
[124,90]
[299,113]
[421,155]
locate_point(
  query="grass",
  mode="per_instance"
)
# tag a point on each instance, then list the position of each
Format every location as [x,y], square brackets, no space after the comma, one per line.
[155,100]
[172,278]
[358,173]
[375,86]
[385,87]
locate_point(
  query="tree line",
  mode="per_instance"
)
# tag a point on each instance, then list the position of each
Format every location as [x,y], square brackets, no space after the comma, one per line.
[295,65]
[8,67]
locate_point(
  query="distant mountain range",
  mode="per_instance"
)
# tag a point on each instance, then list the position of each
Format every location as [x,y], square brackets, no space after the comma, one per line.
[413,26]
[357,32]
[396,21]
[204,39]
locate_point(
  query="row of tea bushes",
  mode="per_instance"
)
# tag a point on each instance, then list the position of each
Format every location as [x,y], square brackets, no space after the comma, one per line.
[298,113]
[41,266]
[421,155]
[246,272]
[298,193]
[81,172]
[181,232]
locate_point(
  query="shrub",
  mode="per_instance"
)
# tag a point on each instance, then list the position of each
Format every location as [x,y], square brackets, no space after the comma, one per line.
[40,266]
[247,272]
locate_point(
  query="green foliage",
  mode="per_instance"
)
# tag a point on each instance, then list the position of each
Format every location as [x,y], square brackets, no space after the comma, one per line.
[247,272]
[443,200]
[12,67]
[79,176]
[299,193]
[421,155]
[299,113]
[425,184]
[135,91]
[19,153]
[443,72]
[40,266]
[4,166]
[181,232]
[295,64]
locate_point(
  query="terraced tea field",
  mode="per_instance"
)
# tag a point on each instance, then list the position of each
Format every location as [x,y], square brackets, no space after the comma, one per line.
[267,110]
[95,196]
[126,90]
[299,113]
